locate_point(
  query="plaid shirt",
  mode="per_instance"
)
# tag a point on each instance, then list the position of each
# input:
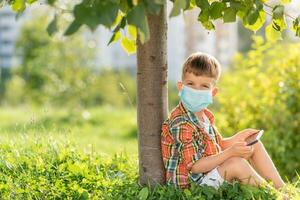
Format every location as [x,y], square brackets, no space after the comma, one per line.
[184,140]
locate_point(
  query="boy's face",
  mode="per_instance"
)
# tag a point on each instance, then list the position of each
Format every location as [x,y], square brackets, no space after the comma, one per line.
[198,83]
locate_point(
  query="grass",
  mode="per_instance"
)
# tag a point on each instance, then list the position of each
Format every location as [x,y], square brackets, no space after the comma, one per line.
[87,154]
[106,129]
[36,168]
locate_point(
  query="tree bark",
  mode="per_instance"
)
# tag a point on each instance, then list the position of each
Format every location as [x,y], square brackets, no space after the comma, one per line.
[152,99]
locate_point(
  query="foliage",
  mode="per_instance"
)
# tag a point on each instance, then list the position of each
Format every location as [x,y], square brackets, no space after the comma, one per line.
[121,14]
[49,72]
[50,169]
[262,91]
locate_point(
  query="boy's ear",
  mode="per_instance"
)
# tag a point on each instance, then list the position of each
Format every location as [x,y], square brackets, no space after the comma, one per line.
[215,91]
[179,85]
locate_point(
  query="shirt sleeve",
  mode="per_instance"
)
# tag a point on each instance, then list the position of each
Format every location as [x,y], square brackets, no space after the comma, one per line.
[190,149]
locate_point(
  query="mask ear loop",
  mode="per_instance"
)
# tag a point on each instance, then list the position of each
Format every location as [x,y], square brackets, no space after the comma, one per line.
[211,128]
[218,146]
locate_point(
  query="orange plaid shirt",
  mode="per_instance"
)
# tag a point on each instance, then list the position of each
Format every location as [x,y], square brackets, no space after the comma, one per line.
[184,140]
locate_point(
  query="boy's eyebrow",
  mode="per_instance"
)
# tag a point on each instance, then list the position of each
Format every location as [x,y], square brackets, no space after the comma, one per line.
[206,84]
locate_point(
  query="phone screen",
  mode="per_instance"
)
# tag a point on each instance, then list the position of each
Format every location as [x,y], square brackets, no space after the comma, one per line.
[252,139]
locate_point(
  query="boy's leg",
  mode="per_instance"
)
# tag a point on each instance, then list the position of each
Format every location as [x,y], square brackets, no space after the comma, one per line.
[236,167]
[263,164]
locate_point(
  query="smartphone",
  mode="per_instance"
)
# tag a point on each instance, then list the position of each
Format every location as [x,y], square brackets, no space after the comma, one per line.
[254,138]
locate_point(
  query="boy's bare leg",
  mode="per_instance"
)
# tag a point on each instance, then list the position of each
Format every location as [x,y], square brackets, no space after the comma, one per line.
[264,165]
[239,168]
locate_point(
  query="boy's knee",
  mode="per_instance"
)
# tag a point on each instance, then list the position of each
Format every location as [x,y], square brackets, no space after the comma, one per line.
[235,161]
[231,168]
[237,164]
[234,165]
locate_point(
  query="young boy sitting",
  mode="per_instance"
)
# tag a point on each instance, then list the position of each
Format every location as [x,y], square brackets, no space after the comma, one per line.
[193,149]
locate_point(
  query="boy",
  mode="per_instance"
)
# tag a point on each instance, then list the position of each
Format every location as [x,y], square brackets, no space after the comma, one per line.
[193,149]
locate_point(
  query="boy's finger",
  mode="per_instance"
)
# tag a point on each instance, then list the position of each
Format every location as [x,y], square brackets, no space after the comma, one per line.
[253,130]
[242,143]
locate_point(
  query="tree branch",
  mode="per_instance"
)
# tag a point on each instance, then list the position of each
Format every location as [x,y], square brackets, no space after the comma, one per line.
[286,14]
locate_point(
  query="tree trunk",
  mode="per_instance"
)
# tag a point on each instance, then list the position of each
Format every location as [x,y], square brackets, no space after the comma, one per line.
[152,99]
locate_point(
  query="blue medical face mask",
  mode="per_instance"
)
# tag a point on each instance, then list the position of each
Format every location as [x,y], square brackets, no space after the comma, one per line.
[195,100]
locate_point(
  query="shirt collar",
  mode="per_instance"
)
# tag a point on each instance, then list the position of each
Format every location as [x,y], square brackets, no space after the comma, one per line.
[192,116]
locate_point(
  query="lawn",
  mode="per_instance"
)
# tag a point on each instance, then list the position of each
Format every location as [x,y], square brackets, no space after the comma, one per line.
[88,154]
[105,129]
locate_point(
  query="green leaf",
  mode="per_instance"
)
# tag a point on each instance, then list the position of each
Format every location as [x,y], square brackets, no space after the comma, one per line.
[84,14]
[278,19]
[229,15]
[203,16]
[177,6]
[203,4]
[19,5]
[272,34]
[73,27]
[143,194]
[252,16]
[51,2]
[124,7]
[137,17]
[192,4]
[121,24]
[236,5]
[94,13]
[107,12]
[279,23]
[31,1]
[208,25]
[296,26]
[243,11]
[278,12]
[52,27]
[128,45]
[115,37]
[205,21]
[187,192]
[132,32]
[259,22]
[84,195]
[216,9]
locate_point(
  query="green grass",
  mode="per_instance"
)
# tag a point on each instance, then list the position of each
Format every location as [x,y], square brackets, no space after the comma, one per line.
[106,129]
[88,154]
[52,169]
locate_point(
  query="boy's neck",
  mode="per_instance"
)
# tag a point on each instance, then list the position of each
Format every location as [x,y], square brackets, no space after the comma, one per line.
[200,113]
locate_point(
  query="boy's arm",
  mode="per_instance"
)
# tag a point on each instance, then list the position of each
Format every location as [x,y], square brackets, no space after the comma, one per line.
[208,163]
[205,164]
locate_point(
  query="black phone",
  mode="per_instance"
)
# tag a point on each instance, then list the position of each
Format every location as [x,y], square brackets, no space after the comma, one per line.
[254,138]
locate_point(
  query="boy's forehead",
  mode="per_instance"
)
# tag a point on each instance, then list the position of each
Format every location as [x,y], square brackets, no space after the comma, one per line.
[198,79]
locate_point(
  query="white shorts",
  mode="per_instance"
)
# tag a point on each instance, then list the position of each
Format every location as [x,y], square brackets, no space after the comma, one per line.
[212,178]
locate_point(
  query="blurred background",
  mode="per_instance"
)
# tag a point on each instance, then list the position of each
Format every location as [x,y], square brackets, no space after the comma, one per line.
[79,89]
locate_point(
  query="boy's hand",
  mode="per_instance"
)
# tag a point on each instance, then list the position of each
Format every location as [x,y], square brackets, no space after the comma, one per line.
[242,135]
[240,149]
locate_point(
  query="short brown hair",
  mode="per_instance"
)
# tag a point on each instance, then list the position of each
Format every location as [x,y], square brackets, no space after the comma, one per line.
[202,64]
